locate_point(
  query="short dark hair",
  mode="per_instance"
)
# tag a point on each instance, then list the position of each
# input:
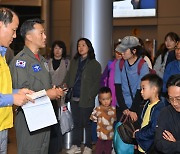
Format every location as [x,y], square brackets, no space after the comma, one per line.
[154,80]
[139,51]
[174,80]
[60,44]
[103,90]
[6,15]
[91,54]
[29,25]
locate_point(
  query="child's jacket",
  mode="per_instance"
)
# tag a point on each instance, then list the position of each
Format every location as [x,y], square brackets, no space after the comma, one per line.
[145,136]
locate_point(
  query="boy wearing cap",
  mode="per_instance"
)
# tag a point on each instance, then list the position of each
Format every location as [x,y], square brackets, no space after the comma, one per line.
[127,80]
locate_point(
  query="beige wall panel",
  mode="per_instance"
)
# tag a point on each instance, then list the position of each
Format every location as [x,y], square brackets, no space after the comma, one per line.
[62,33]
[169,21]
[168,8]
[164,29]
[61,10]
[21,2]
[142,32]
[134,21]
[61,23]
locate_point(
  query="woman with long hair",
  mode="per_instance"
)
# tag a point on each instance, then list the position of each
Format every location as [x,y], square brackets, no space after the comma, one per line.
[84,77]
[167,55]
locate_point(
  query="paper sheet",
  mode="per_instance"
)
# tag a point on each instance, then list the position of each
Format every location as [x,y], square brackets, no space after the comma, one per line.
[41,113]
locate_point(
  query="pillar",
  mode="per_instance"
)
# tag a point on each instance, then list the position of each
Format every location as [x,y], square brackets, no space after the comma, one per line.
[45,15]
[93,19]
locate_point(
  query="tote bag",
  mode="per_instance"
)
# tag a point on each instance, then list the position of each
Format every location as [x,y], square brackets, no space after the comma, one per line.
[119,146]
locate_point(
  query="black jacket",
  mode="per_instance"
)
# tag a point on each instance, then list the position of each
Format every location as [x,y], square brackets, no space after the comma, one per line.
[169,119]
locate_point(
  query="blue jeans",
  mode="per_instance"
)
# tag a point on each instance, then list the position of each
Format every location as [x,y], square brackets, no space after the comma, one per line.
[3,141]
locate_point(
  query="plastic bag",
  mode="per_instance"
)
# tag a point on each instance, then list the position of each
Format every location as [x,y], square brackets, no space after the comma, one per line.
[119,146]
[66,120]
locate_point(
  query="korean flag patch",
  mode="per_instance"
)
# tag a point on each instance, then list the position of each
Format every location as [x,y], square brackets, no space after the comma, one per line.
[36,68]
[20,63]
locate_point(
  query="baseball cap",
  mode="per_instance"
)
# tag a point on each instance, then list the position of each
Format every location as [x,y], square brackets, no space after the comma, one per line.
[127,42]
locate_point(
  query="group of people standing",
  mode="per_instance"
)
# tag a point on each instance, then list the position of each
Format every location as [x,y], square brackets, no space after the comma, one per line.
[127,77]
[29,70]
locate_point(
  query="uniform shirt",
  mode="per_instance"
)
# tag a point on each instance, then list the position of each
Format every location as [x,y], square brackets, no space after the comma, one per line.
[105,118]
[28,72]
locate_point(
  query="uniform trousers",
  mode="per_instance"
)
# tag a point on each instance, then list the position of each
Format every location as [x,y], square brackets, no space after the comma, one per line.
[36,142]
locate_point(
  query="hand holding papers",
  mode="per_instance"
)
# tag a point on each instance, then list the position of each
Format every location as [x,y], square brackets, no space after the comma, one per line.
[39,114]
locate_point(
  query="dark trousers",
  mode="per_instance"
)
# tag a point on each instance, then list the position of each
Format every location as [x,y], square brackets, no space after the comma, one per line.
[81,120]
[55,144]
[103,146]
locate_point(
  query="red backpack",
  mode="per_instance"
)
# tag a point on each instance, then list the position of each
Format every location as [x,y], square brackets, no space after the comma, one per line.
[141,62]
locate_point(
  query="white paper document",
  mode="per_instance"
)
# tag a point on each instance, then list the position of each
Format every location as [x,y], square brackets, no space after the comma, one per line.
[39,114]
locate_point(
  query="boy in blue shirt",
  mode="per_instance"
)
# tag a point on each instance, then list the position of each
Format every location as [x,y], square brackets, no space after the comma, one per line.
[151,86]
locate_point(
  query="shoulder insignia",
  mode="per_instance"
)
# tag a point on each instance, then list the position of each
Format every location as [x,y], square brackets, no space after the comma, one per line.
[36,68]
[20,63]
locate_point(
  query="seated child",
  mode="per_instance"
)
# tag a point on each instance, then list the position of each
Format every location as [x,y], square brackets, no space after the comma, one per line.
[151,86]
[104,115]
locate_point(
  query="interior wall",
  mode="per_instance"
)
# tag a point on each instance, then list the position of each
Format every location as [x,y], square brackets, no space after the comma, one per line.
[61,21]
[21,2]
[168,19]
[143,32]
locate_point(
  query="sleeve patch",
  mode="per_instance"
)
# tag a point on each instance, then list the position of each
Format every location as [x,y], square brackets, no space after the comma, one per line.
[36,68]
[20,63]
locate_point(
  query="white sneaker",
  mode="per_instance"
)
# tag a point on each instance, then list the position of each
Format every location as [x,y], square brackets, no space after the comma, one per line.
[87,150]
[113,152]
[74,149]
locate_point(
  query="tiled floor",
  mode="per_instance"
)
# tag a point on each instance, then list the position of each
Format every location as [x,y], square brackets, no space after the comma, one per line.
[12,147]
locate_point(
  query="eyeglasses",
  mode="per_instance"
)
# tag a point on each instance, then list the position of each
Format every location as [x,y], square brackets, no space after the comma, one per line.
[174,99]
